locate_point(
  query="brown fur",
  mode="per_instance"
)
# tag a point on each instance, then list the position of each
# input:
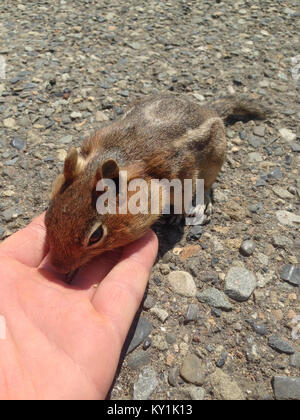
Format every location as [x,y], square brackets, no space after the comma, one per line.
[165,136]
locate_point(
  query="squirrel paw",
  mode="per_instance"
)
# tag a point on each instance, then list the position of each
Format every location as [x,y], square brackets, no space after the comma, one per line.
[201,214]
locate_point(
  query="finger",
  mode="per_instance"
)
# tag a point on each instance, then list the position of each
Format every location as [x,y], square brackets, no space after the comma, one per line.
[28,245]
[119,295]
[88,276]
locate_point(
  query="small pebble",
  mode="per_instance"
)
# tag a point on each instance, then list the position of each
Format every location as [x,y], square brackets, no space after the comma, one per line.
[192,370]
[143,329]
[194,233]
[147,343]
[149,302]
[173,376]
[239,283]
[182,282]
[224,387]
[192,313]
[275,173]
[259,130]
[215,298]
[291,274]
[195,393]
[288,218]
[278,344]
[221,362]
[138,359]
[260,329]
[146,384]
[287,134]
[247,248]
[286,388]
[18,143]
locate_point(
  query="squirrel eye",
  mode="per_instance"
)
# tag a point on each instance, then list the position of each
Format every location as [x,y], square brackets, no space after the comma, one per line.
[96,236]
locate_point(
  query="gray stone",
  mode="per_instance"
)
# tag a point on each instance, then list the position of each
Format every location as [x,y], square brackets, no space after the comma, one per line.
[124,93]
[215,298]
[173,376]
[286,388]
[147,343]
[66,139]
[138,359]
[247,248]
[192,313]
[143,329]
[261,182]
[259,130]
[295,360]
[287,218]
[275,173]
[11,214]
[222,360]
[260,329]
[295,147]
[291,274]
[287,134]
[149,302]
[194,233]
[282,193]
[170,338]
[1,232]
[255,208]
[255,141]
[18,143]
[254,157]
[281,241]
[278,344]
[239,283]
[146,384]
[75,114]
[224,387]
[192,370]
[196,393]
[159,342]
[221,196]
[182,282]
[100,116]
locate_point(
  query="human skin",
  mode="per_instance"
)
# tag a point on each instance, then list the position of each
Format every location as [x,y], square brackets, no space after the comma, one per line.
[63,341]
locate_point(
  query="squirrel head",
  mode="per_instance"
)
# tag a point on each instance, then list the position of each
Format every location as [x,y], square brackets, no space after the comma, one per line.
[75,230]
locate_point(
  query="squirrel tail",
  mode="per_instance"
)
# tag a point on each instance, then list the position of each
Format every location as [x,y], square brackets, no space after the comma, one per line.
[242,108]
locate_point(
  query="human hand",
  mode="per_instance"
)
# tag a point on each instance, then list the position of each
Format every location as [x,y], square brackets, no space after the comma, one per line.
[63,341]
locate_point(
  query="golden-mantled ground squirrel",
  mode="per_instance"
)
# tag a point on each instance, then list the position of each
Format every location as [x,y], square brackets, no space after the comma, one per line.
[161,137]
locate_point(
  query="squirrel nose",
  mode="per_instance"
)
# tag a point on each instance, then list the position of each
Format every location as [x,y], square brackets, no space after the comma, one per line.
[61,267]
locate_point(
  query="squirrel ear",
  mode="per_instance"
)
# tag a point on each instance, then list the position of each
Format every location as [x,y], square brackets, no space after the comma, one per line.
[73,164]
[108,169]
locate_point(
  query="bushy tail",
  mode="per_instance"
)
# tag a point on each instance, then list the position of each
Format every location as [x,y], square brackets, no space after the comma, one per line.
[240,108]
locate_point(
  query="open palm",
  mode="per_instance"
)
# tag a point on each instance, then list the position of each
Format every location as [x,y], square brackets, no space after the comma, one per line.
[63,341]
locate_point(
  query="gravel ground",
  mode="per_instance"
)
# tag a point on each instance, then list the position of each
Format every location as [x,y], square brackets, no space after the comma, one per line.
[220,317]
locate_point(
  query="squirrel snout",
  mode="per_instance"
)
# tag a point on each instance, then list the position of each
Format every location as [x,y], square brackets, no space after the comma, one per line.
[61,266]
